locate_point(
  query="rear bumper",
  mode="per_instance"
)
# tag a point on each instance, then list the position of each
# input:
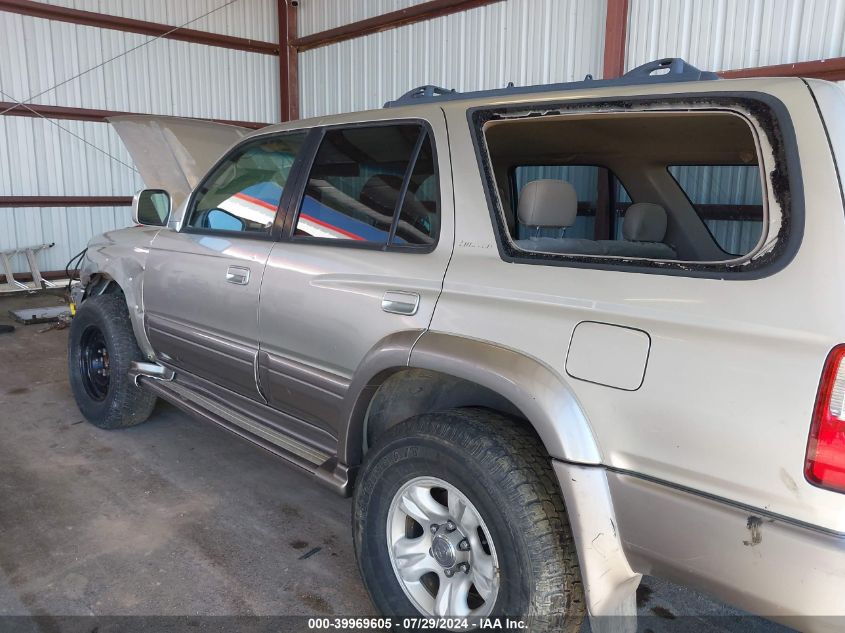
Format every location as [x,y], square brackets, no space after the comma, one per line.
[768,566]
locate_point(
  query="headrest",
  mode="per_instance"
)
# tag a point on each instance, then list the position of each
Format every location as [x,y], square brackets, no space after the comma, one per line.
[548,203]
[644,222]
[381,192]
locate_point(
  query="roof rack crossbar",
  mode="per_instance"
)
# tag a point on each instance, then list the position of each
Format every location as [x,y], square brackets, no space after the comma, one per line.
[666,70]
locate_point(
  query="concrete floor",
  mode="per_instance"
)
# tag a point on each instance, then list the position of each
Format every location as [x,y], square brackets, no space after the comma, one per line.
[178,517]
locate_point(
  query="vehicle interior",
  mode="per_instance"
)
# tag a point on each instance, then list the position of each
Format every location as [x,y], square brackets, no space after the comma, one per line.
[355,187]
[242,195]
[681,186]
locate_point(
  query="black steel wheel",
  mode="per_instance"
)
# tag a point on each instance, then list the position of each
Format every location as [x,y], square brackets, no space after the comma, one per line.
[94,363]
[101,349]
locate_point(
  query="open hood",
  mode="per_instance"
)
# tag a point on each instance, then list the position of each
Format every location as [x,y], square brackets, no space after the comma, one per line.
[172,153]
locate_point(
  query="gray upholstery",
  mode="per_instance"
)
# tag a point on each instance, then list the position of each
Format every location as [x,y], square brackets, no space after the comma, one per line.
[643,231]
[648,250]
[552,204]
[644,222]
[561,245]
[548,203]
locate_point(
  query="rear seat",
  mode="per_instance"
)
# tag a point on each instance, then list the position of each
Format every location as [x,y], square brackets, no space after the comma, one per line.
[552,204]
[643,230]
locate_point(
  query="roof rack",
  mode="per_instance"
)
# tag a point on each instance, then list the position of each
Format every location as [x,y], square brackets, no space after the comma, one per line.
[668,70]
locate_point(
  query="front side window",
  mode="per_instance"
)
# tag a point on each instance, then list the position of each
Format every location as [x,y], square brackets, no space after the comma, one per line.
[728,199]
[243,193]
[372,185]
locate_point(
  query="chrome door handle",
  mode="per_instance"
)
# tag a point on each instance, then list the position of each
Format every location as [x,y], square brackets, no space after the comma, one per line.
[237,275]
[400,302]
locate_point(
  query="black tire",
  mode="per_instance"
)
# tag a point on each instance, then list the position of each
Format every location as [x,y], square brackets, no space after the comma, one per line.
[111,402]
[504,471]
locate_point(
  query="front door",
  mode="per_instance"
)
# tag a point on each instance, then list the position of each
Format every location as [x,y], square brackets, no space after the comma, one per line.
[364,257]
[201,284]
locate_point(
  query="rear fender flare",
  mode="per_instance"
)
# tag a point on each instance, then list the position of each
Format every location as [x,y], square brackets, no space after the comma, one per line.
[543,397]
[550,406]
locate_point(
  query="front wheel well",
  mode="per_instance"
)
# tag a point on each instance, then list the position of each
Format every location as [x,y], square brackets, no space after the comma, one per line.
[101,284]
[412,392]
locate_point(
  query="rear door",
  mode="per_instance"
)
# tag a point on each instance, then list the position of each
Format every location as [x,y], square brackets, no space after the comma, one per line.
[201,283]
[364,255]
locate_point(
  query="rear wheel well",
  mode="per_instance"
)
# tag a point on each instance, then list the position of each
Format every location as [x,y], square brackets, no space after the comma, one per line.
[412,392]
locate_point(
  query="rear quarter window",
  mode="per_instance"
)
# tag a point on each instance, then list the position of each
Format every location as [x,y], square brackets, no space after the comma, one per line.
[705,183]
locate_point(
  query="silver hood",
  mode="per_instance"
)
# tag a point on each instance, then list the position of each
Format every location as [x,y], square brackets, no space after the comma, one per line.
[172,153]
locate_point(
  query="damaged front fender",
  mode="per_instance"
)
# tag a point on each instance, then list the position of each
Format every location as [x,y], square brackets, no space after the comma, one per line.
[120,257]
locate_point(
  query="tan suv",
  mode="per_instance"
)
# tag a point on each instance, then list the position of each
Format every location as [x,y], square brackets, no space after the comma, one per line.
[551,338]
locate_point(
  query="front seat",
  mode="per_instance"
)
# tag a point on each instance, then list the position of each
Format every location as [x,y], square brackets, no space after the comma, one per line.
[643,232]
[552,204]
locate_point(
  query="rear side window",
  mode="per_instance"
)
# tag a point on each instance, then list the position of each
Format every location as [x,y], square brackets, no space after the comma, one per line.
[372,185]
[728,199]
[243,193]
[559,197]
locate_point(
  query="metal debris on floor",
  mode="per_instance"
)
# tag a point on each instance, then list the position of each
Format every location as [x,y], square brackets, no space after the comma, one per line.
[29,316]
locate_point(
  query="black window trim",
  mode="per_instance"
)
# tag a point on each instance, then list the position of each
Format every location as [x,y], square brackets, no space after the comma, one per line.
[272,233]
[694,205]
[770,113]
[312,146]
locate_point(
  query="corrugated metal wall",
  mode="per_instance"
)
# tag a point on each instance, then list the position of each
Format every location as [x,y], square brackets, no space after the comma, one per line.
[254,19]
[730,34]
[539,41]
[322,15]
[37,157]
[524,41]
[54,157]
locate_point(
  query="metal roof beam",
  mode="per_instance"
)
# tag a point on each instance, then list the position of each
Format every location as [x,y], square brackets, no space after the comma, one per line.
[417,13]
[288,60]
[65,201]
[119,23]
[615,38]
[832,69]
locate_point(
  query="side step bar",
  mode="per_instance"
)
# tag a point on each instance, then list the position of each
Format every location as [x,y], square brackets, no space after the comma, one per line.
[150,370]
[198,405]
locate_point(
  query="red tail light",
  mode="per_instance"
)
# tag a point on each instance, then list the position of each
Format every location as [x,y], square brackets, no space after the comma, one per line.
[825,466]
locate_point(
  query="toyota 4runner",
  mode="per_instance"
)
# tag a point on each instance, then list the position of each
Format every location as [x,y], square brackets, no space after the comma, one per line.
[550,338]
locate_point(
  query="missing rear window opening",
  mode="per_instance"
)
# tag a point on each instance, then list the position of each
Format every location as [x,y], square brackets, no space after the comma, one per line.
[569,186]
